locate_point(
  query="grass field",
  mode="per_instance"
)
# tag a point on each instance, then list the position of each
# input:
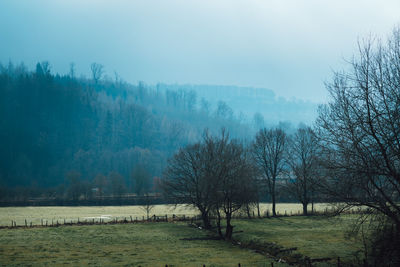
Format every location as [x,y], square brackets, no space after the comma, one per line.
[36,214]
[145,244]
[315,237]
[157,244]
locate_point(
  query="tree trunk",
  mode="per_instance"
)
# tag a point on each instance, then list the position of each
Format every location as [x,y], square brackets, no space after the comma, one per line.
[206,220]
[305,204]
[305,197]
[229,227]
[219,224]
[273,204]
[312,199]
[258,210]
[248,211]
[312,206]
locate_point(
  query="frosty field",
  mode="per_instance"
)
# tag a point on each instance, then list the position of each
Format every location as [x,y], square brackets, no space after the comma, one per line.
[108,213]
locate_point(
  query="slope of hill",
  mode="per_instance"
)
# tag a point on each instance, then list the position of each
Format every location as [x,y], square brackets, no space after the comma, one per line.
[51,125]
[56,130]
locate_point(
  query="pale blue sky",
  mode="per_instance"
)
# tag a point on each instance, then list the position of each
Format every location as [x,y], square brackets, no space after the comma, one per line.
[289,46]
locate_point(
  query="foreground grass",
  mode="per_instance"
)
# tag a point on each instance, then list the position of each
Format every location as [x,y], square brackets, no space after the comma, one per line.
[149,244]
[314,236]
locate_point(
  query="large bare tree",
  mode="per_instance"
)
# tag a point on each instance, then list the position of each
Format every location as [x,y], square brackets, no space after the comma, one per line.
[215,175]
[268,152]
[303,170]
[236,185]
[187,180]
[360,133]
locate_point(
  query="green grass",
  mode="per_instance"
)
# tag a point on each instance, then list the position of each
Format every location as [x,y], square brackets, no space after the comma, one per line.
[157,244]
[148,244]
[315,237]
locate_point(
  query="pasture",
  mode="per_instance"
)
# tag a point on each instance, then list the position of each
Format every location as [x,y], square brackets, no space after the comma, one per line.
[313,236]
[108,213]
[178,244]
[173,243]
[144,244]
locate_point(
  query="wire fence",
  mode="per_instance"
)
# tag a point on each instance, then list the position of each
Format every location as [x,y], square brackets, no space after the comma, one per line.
[107,220]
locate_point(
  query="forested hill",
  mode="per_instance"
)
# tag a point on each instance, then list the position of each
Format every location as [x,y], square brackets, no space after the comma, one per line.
[51,125]
[56,129]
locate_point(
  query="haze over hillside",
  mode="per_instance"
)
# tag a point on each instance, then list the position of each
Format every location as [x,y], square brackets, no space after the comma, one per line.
[250,100]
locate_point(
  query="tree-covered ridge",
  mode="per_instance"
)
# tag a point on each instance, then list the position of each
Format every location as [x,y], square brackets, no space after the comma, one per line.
[53,124]
[260,105]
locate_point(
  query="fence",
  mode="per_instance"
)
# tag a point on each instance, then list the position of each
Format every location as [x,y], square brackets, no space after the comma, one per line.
[161,218]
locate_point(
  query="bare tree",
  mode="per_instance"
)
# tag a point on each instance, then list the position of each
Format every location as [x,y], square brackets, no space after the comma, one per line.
[360,133]
[302,161]
[147,204]
[187,180]
[268,152]
[236,184]
[215,175]
[97,71]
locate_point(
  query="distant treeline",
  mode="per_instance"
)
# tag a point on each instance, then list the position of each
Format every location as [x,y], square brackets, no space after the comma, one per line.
[66,136]
[126,199]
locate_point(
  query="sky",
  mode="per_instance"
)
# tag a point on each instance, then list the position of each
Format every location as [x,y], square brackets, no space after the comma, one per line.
[289,46]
